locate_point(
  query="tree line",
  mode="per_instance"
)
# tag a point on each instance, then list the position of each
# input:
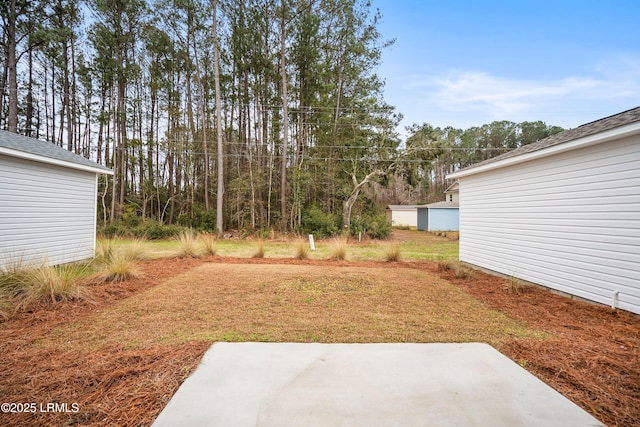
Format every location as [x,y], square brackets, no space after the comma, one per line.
[226,114]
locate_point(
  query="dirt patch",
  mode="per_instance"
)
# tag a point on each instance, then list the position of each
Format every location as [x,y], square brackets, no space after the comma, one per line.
[293,303]
[591,354]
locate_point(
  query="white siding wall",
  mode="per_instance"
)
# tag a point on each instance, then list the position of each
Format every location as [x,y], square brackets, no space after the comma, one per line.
[405,218]
[46,212]
[569,222]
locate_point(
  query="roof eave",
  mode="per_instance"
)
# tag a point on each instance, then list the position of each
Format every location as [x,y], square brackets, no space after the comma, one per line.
[57,162]
[586,141]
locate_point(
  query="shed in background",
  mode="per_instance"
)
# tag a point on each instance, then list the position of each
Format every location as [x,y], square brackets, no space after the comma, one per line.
[402,215]
[47,202]
[440,216]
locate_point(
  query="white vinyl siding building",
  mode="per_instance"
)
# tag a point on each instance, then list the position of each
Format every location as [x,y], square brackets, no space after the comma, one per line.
[565,214]
[403,215]
[47,204]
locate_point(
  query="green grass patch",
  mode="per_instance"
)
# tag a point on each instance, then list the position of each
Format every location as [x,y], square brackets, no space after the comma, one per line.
[413,245]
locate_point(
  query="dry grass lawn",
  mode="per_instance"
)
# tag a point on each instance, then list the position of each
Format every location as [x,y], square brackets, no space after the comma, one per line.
[292,303]
[122,354]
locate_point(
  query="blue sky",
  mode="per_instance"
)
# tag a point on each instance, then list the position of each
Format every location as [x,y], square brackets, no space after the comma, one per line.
[467,63]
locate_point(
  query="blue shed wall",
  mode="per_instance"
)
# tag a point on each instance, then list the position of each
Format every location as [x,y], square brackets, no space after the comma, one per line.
[444,219]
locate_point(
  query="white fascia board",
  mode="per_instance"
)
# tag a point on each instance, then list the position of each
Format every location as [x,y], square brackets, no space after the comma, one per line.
[586,141]
[57,162]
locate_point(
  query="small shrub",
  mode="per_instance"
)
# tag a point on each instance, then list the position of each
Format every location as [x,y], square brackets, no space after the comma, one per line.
[393,252]
[110,231]
[188,245]
[339,249]
[264,233]
[319,223]
[302,249]
[205,220]
[154,230]
[260,250]
[376,226]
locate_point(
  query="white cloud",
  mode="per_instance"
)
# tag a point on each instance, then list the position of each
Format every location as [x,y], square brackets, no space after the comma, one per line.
[500,97]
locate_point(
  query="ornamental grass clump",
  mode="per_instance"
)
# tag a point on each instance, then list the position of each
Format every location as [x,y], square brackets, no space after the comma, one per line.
[116,266]
[517,286]
[260,250]
[208,244]
[117,263]
[339,249]
[188,245]
[392,252]
[22,285]
[460,270]
[302,249]
[136,250]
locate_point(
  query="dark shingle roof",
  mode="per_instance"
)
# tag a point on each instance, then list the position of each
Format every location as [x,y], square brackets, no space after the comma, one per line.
[611,122]
[44,149]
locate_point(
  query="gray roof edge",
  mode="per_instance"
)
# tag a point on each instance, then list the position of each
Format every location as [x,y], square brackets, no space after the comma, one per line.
[440,205]
[402,207]
[35,149]
[607,123]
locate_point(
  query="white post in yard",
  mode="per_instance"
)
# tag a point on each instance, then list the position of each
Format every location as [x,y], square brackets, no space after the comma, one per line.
[311,244]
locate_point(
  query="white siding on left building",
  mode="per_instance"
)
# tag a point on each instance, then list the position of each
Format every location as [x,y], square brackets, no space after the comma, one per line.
[47,212]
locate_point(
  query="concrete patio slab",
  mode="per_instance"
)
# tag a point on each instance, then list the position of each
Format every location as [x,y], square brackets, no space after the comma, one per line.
[286,384]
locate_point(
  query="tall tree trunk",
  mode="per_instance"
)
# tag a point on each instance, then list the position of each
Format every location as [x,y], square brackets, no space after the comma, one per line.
[103,101]
[216,71]
[66,103]
[12,64]
[122,146]
[334,138]
[75,106]
[53,101]
[3,88]
[285,125]
[114,154]
[205,143]
[28,129]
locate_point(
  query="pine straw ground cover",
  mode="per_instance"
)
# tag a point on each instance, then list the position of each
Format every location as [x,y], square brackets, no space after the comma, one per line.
[121,358]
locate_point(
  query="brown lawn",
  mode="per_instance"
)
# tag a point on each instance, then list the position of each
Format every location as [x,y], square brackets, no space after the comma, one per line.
[121,358]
